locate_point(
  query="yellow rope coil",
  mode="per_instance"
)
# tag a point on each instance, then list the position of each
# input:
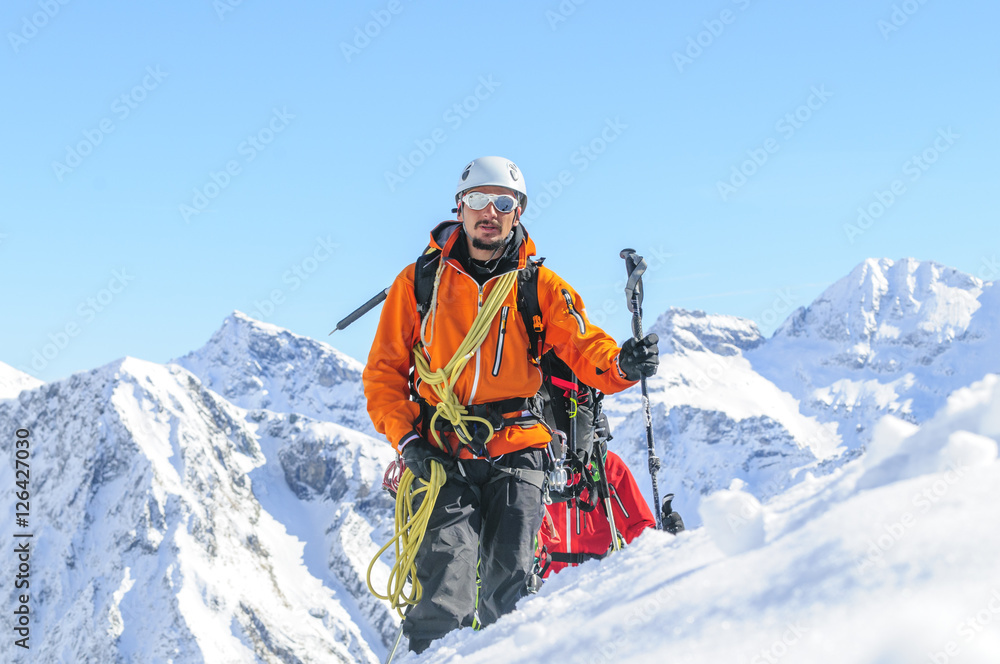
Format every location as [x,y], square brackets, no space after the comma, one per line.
[410,529]
[443,380]
[412,525]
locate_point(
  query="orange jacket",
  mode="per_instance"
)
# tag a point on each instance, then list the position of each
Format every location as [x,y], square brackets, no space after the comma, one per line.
[558,533]
[501,368]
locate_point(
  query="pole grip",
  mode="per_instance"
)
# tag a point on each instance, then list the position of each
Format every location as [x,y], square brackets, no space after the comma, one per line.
[635,266]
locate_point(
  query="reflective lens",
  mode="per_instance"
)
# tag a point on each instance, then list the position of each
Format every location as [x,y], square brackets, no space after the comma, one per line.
[477,200]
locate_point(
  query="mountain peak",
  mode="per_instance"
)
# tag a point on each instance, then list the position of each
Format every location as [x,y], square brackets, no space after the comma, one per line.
[681,331]
[259,365]
[886,301]
[13,381]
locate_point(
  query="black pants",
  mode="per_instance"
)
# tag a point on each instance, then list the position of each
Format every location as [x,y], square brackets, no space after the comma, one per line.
[486,518]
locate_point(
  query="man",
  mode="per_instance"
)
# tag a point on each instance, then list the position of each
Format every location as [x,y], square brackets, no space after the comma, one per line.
[476,418]
[566,543]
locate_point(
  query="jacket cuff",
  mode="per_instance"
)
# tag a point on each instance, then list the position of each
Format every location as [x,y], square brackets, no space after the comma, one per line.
[407,439]
[618,368]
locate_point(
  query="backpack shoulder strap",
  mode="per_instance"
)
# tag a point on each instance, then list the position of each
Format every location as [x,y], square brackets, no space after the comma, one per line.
[527,293]
[423,279]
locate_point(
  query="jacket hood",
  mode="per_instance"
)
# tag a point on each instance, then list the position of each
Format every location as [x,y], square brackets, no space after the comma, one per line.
[445,234]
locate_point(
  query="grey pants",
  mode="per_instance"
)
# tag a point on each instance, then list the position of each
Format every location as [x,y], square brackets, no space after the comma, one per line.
[486,518]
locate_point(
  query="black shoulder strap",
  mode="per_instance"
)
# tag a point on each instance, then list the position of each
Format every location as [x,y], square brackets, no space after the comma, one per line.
[423,279]
[531,311]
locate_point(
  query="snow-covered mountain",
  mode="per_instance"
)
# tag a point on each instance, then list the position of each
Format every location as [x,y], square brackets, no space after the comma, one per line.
[13,381]
[225,507]
[714,417]
[171,525]
[891,337]
[258,365]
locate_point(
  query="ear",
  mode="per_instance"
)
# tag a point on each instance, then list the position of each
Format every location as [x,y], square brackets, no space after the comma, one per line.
[517,216]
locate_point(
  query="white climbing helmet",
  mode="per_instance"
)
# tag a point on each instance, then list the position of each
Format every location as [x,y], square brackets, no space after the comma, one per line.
[492,171]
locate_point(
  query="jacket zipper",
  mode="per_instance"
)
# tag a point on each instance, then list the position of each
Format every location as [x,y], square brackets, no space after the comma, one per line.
[573,311]
[503,332]
[479,305]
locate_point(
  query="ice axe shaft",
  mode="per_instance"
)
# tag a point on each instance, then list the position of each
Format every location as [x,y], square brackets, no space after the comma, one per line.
[361,311]
[635,266]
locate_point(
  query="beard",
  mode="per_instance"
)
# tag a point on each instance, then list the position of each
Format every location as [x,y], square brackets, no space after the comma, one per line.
[493,246]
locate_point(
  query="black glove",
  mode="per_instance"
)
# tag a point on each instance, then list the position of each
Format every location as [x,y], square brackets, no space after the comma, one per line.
[639,358]
[672,521]
[417,455]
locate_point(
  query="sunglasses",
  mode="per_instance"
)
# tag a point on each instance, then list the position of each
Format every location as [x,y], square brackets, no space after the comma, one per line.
[477,200]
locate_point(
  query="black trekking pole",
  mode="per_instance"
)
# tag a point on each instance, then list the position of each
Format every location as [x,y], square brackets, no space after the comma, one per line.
[361,311]
[635,265]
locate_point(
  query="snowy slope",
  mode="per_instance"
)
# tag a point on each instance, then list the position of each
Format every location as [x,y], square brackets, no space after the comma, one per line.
[13,381]
[258,365]
[898,569]
[891,337]
[152,545]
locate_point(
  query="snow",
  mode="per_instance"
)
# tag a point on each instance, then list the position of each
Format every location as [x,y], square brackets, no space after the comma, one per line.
[12,381]
[733,519]
[903,572]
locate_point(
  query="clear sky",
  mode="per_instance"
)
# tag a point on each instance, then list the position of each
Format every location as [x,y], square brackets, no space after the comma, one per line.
[164,163]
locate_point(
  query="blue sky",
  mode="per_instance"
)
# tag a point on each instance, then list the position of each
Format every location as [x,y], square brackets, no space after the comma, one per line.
[167,163]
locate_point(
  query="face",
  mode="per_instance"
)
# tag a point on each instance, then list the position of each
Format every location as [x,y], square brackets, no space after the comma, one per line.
[487,229]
